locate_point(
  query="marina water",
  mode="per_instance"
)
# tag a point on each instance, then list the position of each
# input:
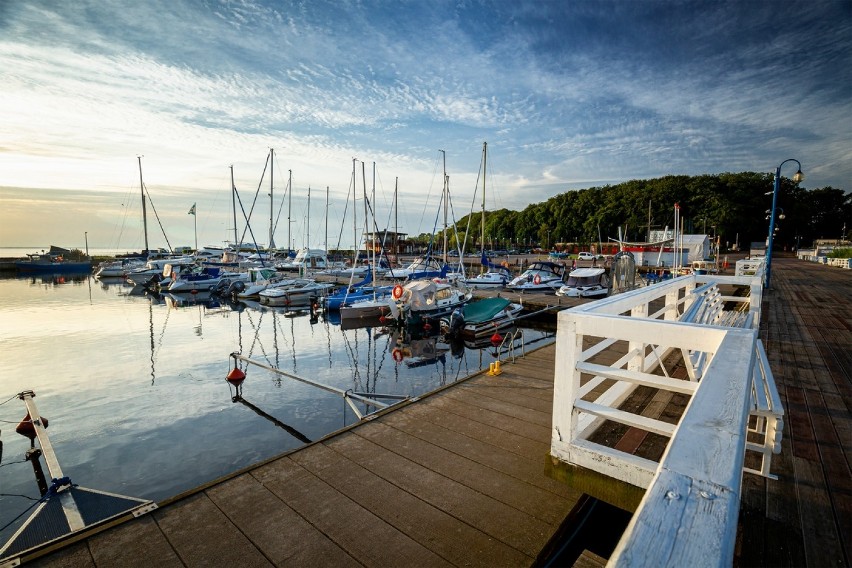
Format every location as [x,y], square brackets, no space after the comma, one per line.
[134,388]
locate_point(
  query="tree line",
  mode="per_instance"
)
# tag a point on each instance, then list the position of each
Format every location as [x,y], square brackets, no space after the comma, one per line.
[733,206]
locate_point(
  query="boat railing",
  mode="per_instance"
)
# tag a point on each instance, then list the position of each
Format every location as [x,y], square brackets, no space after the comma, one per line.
[609,348]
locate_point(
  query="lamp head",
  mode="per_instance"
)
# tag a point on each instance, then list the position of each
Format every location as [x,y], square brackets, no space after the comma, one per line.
[798,176]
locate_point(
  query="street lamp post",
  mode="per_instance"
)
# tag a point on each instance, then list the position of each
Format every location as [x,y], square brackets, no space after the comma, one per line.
[797,177]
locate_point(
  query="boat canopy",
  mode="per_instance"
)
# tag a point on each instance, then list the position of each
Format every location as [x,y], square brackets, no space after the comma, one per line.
[484,310]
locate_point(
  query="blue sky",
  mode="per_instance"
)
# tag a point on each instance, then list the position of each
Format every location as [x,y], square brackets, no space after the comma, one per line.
[568,95]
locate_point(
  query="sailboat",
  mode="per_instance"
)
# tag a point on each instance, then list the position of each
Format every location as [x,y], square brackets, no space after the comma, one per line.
[495,276]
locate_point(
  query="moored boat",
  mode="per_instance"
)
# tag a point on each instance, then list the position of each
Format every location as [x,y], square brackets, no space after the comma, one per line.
[585,283]
[481,318]
[541,276]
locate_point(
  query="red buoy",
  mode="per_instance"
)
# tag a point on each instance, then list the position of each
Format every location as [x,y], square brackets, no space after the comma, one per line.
[26,428]
[427,326]
[496,338]
[236,377]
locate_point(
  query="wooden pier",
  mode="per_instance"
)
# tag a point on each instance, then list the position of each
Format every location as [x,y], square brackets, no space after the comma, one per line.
[457,477]
[454,479]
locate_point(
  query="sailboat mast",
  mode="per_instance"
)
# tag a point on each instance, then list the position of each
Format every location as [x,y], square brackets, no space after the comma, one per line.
[445,205]
[271,208]
[354,215]
[326,219]
[484,169]
[395,217]
[308,241]
[144,211]
[234,206]
[289,210]
[366,214]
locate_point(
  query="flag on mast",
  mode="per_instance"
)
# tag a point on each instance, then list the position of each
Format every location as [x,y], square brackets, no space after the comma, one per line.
[192,210]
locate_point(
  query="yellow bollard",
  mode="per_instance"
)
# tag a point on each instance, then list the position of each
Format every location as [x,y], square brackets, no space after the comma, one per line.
[491,369]
[497,369]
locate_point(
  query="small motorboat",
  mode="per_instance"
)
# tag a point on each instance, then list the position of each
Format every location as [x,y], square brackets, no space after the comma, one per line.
[481,318]
[541,276]
[585,283]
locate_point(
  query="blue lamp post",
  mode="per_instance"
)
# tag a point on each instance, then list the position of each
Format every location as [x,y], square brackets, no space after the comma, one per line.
[797,177]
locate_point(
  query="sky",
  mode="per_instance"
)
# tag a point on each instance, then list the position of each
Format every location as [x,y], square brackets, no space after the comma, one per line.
[567,94]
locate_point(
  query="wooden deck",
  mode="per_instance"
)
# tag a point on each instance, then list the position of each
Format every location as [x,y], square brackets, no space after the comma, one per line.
[805,517]
[456,479]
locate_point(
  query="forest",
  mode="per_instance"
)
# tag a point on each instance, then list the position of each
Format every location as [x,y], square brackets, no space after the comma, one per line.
[733,206]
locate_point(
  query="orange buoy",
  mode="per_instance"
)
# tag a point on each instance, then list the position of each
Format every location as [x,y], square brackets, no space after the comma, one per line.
[397,292]
[397,355]
[236,376]
[537,280]
[496,338]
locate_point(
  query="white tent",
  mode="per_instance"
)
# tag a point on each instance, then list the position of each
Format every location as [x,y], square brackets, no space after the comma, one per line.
[697,246]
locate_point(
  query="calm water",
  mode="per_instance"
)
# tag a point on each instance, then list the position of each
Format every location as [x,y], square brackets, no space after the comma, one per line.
[134,386]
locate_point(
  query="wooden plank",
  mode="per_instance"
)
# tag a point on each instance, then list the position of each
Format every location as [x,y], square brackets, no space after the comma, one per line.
[494,518]
[534,501]
[274,528]
[822,545]
[497,420]
[444,534]
[364,536]
[199,532]
[127,543]
[480,451]
[476,399]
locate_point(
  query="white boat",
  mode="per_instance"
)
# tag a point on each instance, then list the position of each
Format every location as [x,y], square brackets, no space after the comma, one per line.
[426,299]
[154,268]
[541,276]
[203,279]
[422,267]
[585,283]
[117,268]
[259,279]
[307,259]
[300,292]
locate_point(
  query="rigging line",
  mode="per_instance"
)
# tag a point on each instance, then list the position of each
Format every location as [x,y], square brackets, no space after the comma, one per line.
[280,209]
[429,194]
[13,397]
[13,463]
[345,210]
[254,202]
[154,209]
[248,225]
[19,495]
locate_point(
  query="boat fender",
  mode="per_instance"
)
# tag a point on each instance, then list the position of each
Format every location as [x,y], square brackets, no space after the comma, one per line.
[397,355]
[397,292]
[537,280]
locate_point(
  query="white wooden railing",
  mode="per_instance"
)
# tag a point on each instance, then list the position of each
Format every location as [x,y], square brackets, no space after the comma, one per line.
[689,511]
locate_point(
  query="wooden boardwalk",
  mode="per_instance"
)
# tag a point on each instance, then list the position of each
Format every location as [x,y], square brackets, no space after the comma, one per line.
[805,517]
[456,479]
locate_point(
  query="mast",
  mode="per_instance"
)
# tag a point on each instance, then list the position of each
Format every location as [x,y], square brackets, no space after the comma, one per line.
[308,240]
[326,219]
[289,211]
[366,213]
[354,216]
[445,205]
[484,169]
[144,212]
[395,218]
[234,206]
[271,208]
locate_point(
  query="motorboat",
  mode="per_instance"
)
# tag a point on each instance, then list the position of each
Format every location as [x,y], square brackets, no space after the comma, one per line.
[420,268]
[155,267]
[540,276]
[585,283]
[301,292]
[204,278]
[493,278]
[117,268]
[307,259]
[481,318]
[259,279]
[427,299]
